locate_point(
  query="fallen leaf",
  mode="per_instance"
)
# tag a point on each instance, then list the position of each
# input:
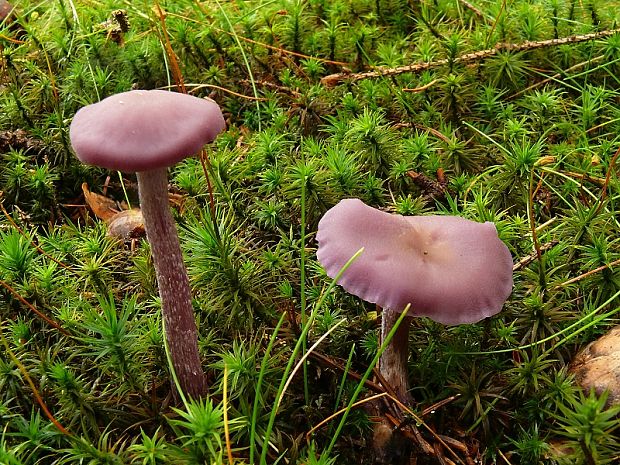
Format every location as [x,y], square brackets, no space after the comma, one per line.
[103,207]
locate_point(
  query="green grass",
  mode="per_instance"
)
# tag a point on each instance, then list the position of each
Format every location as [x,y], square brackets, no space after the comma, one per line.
[477,109]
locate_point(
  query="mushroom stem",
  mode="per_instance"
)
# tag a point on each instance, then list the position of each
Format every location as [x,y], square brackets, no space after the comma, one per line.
[393,360]
[173,282]
[390,446]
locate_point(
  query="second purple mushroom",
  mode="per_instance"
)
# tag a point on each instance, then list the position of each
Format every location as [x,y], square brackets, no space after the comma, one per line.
[447,268]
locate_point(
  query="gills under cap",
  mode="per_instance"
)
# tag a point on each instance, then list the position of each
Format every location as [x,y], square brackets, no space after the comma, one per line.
[141,130]
[450,269]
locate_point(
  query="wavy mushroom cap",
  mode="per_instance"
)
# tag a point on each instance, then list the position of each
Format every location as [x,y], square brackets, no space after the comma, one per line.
[449,269]
[141,130]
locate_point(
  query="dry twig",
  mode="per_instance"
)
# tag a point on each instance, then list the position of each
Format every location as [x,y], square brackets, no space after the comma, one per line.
[473,9]
[334,79]
[525,261]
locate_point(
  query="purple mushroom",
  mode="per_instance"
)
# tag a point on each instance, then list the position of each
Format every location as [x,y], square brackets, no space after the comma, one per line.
[146,132]
[447,268]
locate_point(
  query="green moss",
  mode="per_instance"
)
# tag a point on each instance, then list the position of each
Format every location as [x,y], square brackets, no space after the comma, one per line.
[523,134]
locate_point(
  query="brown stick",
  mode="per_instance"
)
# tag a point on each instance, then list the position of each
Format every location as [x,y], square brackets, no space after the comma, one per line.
[330,362]
[473,9]
[334,79]
[40,314]
[556,76]
[523,262]
[430,187]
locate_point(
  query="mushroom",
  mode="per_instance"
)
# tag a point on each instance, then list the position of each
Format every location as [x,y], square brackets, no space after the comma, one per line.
[447,268]
[146,132]
[597,367]
[6,9]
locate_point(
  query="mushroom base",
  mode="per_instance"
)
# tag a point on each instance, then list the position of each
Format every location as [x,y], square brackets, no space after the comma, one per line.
[173,282]
[389,443]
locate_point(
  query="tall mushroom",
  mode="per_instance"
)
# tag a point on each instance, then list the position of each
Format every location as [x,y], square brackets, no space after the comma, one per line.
[449,269]
[146,132]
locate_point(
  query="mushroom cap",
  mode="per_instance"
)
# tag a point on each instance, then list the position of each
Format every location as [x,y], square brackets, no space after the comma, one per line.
[5,10]
[598,367]
[449,269]
[141,130]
